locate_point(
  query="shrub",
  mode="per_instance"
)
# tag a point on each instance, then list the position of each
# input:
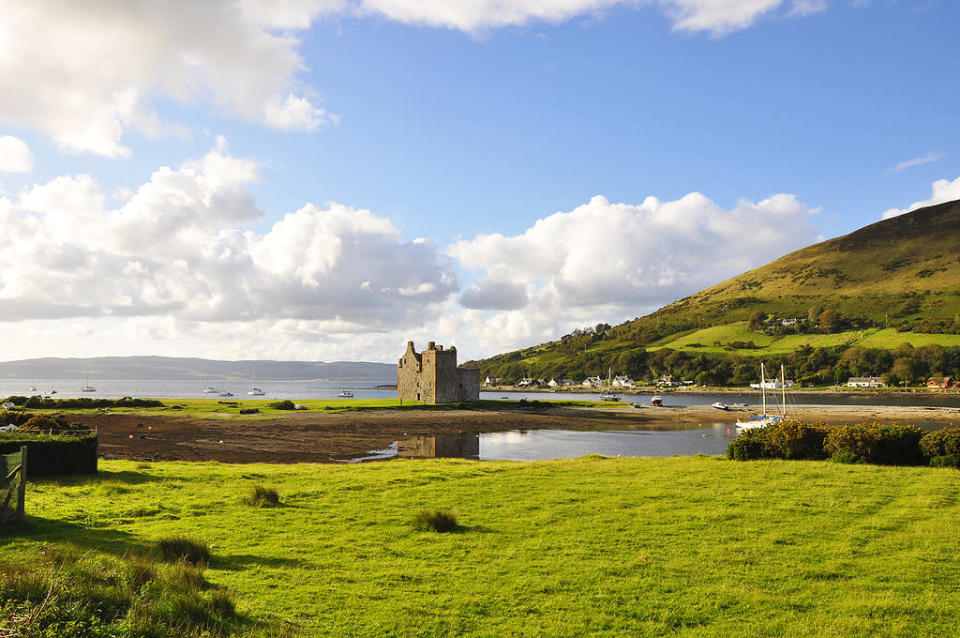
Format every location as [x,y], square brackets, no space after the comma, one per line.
[50,455]
[249,411]
[745,447]
[797,440]
[282,405]
[941,442]
[876,443]
[181,548]
[264,497]
[946,460]
[436,521]
[46,423]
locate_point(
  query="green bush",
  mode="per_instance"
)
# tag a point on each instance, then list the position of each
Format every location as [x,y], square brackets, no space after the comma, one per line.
[436,521]
[796,440]
[181,548]
[82,403]
[282,405]
[876,443]
[262,496]
[249,411]
[51,455]
[946,460]
[941,442]
[746,447]
[46,423]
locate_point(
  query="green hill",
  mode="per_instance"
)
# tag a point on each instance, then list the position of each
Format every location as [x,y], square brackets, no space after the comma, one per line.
[886,287]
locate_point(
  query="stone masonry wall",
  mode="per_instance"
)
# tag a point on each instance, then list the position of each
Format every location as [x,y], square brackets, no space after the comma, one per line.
[433,376]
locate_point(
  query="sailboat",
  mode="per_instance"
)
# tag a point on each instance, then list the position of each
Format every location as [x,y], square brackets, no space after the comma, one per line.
[762,421]
[254,391]
[86,385]
[607,394]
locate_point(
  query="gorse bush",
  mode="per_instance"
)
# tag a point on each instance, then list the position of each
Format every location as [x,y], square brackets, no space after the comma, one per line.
[876,443]
[65,593]
[48,403]
[436,521]
[262,496]
[283,405]
[180,548]
[865,443]
[941,442]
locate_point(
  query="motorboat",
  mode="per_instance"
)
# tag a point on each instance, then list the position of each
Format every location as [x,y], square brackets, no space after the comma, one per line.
[609,396]
[255,392]
[657,401]
[345,394]
[720,405]
[210,390]
[226,394]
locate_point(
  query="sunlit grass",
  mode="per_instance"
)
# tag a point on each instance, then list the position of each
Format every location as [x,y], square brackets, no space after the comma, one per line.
[675,546]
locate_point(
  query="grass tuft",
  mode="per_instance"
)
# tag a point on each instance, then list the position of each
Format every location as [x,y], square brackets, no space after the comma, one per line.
[180,548]
[436,521]
[262,496]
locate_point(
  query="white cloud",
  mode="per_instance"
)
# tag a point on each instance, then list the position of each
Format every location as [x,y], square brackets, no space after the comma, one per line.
[177,250]
[15,155]
[606,261]
[929,158]
[943,191]
[714,16]
[85,74]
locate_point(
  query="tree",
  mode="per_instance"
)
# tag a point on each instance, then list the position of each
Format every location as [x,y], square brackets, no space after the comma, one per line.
[633,363]
[829,321]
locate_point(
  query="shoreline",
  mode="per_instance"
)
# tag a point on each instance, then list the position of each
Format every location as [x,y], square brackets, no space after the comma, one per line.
[645,390]
[339,437]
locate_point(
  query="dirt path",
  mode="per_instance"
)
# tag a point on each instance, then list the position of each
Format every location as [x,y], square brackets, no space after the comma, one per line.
[335,437]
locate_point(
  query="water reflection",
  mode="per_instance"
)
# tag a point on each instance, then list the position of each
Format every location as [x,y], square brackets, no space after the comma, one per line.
[460,446]
[534,445]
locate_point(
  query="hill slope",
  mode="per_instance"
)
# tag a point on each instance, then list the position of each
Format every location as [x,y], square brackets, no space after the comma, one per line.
[881,285]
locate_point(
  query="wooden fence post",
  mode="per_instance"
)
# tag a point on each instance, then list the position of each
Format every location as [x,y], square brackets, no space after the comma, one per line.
[23,482]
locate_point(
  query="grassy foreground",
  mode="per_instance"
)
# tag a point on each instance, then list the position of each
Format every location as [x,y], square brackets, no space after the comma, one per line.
[676,546]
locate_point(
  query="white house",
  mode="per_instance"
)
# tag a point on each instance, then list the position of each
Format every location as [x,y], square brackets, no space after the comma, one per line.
[623,382]
[865,382]
[773,384]
[593,382]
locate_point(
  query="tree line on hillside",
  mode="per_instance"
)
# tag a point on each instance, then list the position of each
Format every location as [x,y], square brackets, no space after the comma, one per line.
[904,365]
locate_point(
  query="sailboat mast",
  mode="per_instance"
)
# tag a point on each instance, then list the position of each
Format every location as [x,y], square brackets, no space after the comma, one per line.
[783,389]
[763,389]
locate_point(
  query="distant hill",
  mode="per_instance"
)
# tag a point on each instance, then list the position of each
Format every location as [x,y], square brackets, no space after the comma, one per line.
[896,281]
[150,368]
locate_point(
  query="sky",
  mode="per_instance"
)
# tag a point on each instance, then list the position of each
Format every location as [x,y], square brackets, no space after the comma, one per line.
[327,179]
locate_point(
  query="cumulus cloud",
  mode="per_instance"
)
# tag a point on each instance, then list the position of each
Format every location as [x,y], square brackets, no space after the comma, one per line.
[15,155]
[714,16]
[943,191]
[85,75]
[929,158]
[178,248]
[608,261]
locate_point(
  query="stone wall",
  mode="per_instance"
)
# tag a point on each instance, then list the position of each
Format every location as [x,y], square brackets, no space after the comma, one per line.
[433,376]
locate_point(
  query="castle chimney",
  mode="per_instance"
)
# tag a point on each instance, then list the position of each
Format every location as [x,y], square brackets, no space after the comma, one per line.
[410,345]
[431,345]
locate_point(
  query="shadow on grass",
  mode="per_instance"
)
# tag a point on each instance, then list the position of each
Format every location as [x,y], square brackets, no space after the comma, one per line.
[240,562]
[101,477]
[109,541]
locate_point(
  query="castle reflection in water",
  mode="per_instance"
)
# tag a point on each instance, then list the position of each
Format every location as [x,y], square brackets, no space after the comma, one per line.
[460,446]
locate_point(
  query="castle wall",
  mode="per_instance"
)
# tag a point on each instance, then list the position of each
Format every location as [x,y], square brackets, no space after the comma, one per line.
[433,376]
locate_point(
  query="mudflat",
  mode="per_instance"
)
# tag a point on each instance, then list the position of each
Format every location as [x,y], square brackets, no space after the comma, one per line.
[323,438]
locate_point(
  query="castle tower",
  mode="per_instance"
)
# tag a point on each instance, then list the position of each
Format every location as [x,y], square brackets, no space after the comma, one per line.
[433,376]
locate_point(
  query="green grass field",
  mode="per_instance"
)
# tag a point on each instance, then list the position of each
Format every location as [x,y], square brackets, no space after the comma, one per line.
[675,546]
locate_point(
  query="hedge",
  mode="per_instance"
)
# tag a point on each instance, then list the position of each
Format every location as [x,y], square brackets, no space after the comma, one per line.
[81,403]
[941,442]
[50,455]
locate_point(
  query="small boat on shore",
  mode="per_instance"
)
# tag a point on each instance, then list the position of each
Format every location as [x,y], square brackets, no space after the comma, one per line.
[754,422]
[657,401]
[720,405]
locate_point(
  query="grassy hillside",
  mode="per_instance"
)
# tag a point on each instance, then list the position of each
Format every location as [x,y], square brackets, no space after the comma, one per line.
[676,546]
[891,283]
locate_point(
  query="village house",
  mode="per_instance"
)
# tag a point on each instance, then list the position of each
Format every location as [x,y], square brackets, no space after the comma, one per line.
[623,382]
[865,382]
[773,384]
[433,376]
[941,383]
[593,382]
[561,383]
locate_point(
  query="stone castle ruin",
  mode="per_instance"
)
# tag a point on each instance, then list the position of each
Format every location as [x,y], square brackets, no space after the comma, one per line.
[432,376]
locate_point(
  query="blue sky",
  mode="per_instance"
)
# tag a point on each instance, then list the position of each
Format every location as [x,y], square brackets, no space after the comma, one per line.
[476,173]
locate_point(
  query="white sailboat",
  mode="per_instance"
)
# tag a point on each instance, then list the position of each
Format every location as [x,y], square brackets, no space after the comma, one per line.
[254,391]
[86,385]
[755,422]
